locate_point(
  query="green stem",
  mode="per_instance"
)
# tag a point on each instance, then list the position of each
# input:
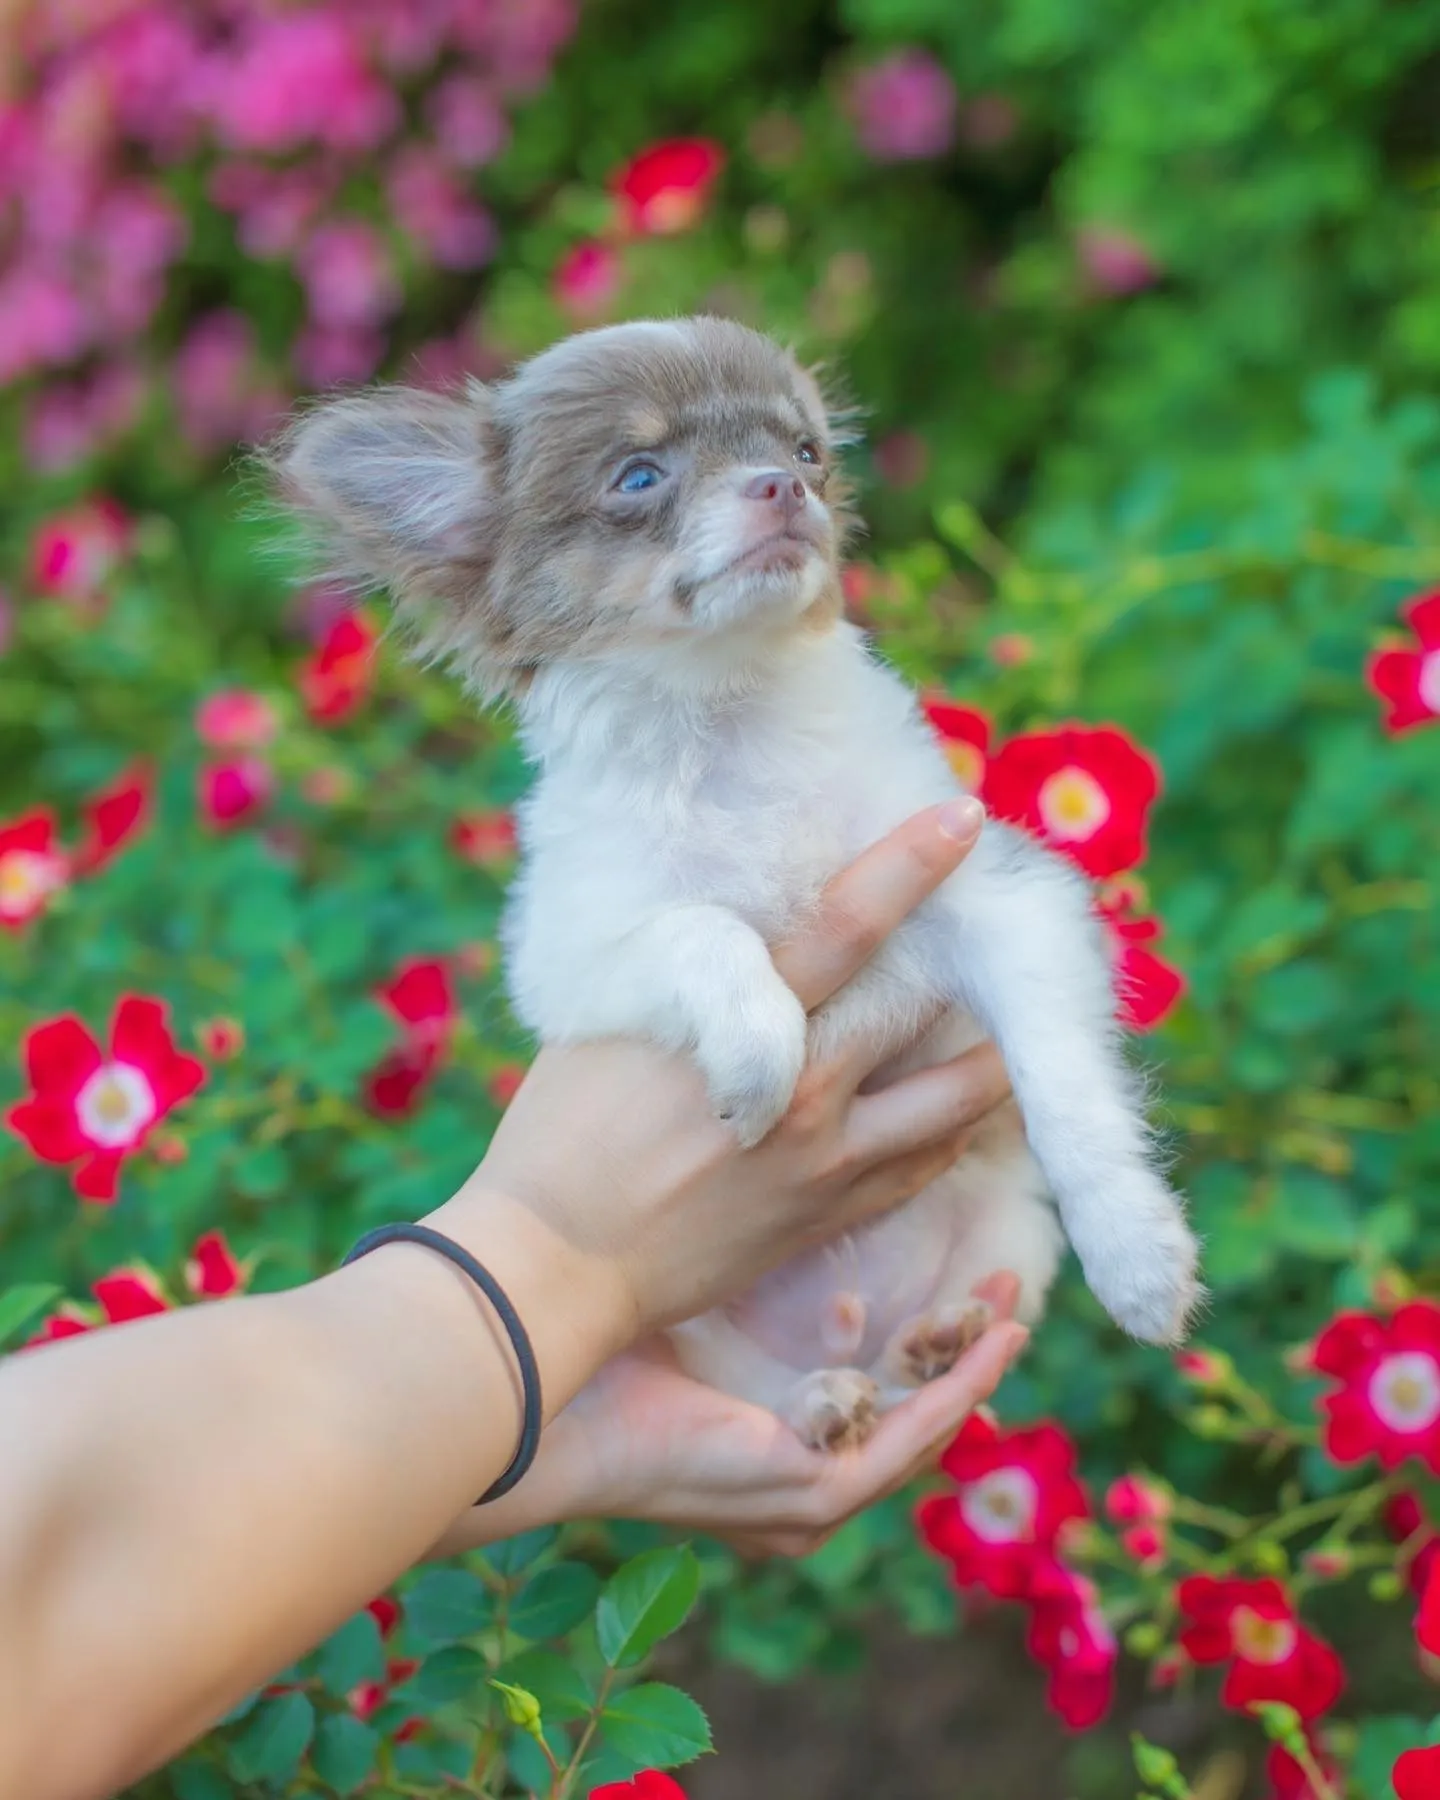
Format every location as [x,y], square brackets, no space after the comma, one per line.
[563,1787]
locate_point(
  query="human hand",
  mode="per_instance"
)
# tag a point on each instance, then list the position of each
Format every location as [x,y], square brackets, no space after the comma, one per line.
[644,1441]
[612,1148]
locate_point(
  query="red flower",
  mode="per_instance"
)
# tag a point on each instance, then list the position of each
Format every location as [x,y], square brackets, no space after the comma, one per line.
[1136,1500]
[664,188]
[1389,1402]
[1408,681]
[421,997]
[1147,987]
[113,816]
[649,1784]
[236,719]
[487,838]
[129,1293]
[1252,1626]
[32,867]
[337,677]
[1069,1637]
[1404,1518]
[72,553]
[587,280]
[229,793]
[385,1610]
[965,737]
[1416,1776]
[504,1084]
[1087,790]
[95,1109]
[1017,1489]
[367,1699]
[212,1272]
[220,1039]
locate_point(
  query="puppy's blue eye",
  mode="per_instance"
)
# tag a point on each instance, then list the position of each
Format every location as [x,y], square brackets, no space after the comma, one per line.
[638,477]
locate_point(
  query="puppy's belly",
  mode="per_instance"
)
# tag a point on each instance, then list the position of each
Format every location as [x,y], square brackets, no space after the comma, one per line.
[838,1306]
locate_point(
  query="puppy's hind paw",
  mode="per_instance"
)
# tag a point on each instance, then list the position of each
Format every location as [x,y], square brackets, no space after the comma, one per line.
[926,1348]
[834,1409]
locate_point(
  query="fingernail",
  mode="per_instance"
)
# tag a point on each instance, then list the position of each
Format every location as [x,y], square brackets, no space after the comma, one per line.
[1019,1338]
[961,819]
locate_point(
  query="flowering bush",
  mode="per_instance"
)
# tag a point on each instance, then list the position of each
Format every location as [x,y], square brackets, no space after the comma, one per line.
[1153,487]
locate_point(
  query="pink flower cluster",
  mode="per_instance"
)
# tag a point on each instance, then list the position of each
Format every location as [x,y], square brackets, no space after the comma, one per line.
[340,139]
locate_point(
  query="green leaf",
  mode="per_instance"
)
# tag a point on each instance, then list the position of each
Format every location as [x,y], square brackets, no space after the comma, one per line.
[511,1555]
[656,1725]
[1315,1216]
[645,1600]
[18,1306]
[1381,1743]
[434,1761]
[448,1604]
[198,1781]
[447,1676]
[556,1683]
[345,1752]
[274,1740]
[554,1601]
[351,1655]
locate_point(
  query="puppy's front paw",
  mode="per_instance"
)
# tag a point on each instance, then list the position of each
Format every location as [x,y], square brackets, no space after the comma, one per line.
[751,1058]
[1150,1284]
[923,1349]
[834,1409]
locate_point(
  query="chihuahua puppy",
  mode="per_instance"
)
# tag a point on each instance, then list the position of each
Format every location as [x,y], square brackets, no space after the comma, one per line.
[636,539]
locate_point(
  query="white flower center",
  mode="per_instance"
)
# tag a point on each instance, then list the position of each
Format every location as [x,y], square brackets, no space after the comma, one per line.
[115,1105]
[1073,805]
[1000,1506]
[1405,1391]
[1429,683]
[26,877]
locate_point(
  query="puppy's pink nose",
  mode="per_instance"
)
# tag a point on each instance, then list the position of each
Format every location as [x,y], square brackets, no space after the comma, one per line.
[782,490]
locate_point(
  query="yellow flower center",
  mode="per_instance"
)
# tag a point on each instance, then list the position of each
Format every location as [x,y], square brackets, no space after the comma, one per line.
[26,877]
[1261,1640]
[1073,805]
[968,764]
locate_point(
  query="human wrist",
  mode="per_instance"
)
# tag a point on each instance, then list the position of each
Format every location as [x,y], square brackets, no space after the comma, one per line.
[576,1305]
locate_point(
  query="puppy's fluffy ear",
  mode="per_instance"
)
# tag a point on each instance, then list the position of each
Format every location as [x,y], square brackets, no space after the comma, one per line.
[396,489]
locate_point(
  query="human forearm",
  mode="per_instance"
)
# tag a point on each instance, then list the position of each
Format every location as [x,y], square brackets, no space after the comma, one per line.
[203,1496]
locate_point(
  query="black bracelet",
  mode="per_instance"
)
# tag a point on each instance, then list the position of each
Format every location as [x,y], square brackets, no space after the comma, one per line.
[509,1318]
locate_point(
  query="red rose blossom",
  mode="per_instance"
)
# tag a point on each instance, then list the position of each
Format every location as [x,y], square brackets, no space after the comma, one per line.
[1416,1775]
[1252,1626]
[486,838]
[1087,790]
[95,1109]
[212,1271]
[1407,680]
[113,816]
[1070,1638]
[649,1784]
[335,680]
[1147,988]
[1289,1781]
[1016,1490]
[221,1038]
[1388,1404]
[421,997]
[129,1293]
[73,553]
[1136,1500]
[664,188]
[229,793]
[587,280]
[32,867]
[1404,1518]
[965,737]
[236,719]
[384,1609]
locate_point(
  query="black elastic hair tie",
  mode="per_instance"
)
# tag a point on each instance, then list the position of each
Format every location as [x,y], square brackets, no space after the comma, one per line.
[509,1318]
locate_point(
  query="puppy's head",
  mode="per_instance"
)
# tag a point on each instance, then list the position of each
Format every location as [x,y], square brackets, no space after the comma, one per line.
[637,485]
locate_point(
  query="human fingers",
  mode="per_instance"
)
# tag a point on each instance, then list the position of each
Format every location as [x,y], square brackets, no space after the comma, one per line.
[922,1110]
[866,901]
